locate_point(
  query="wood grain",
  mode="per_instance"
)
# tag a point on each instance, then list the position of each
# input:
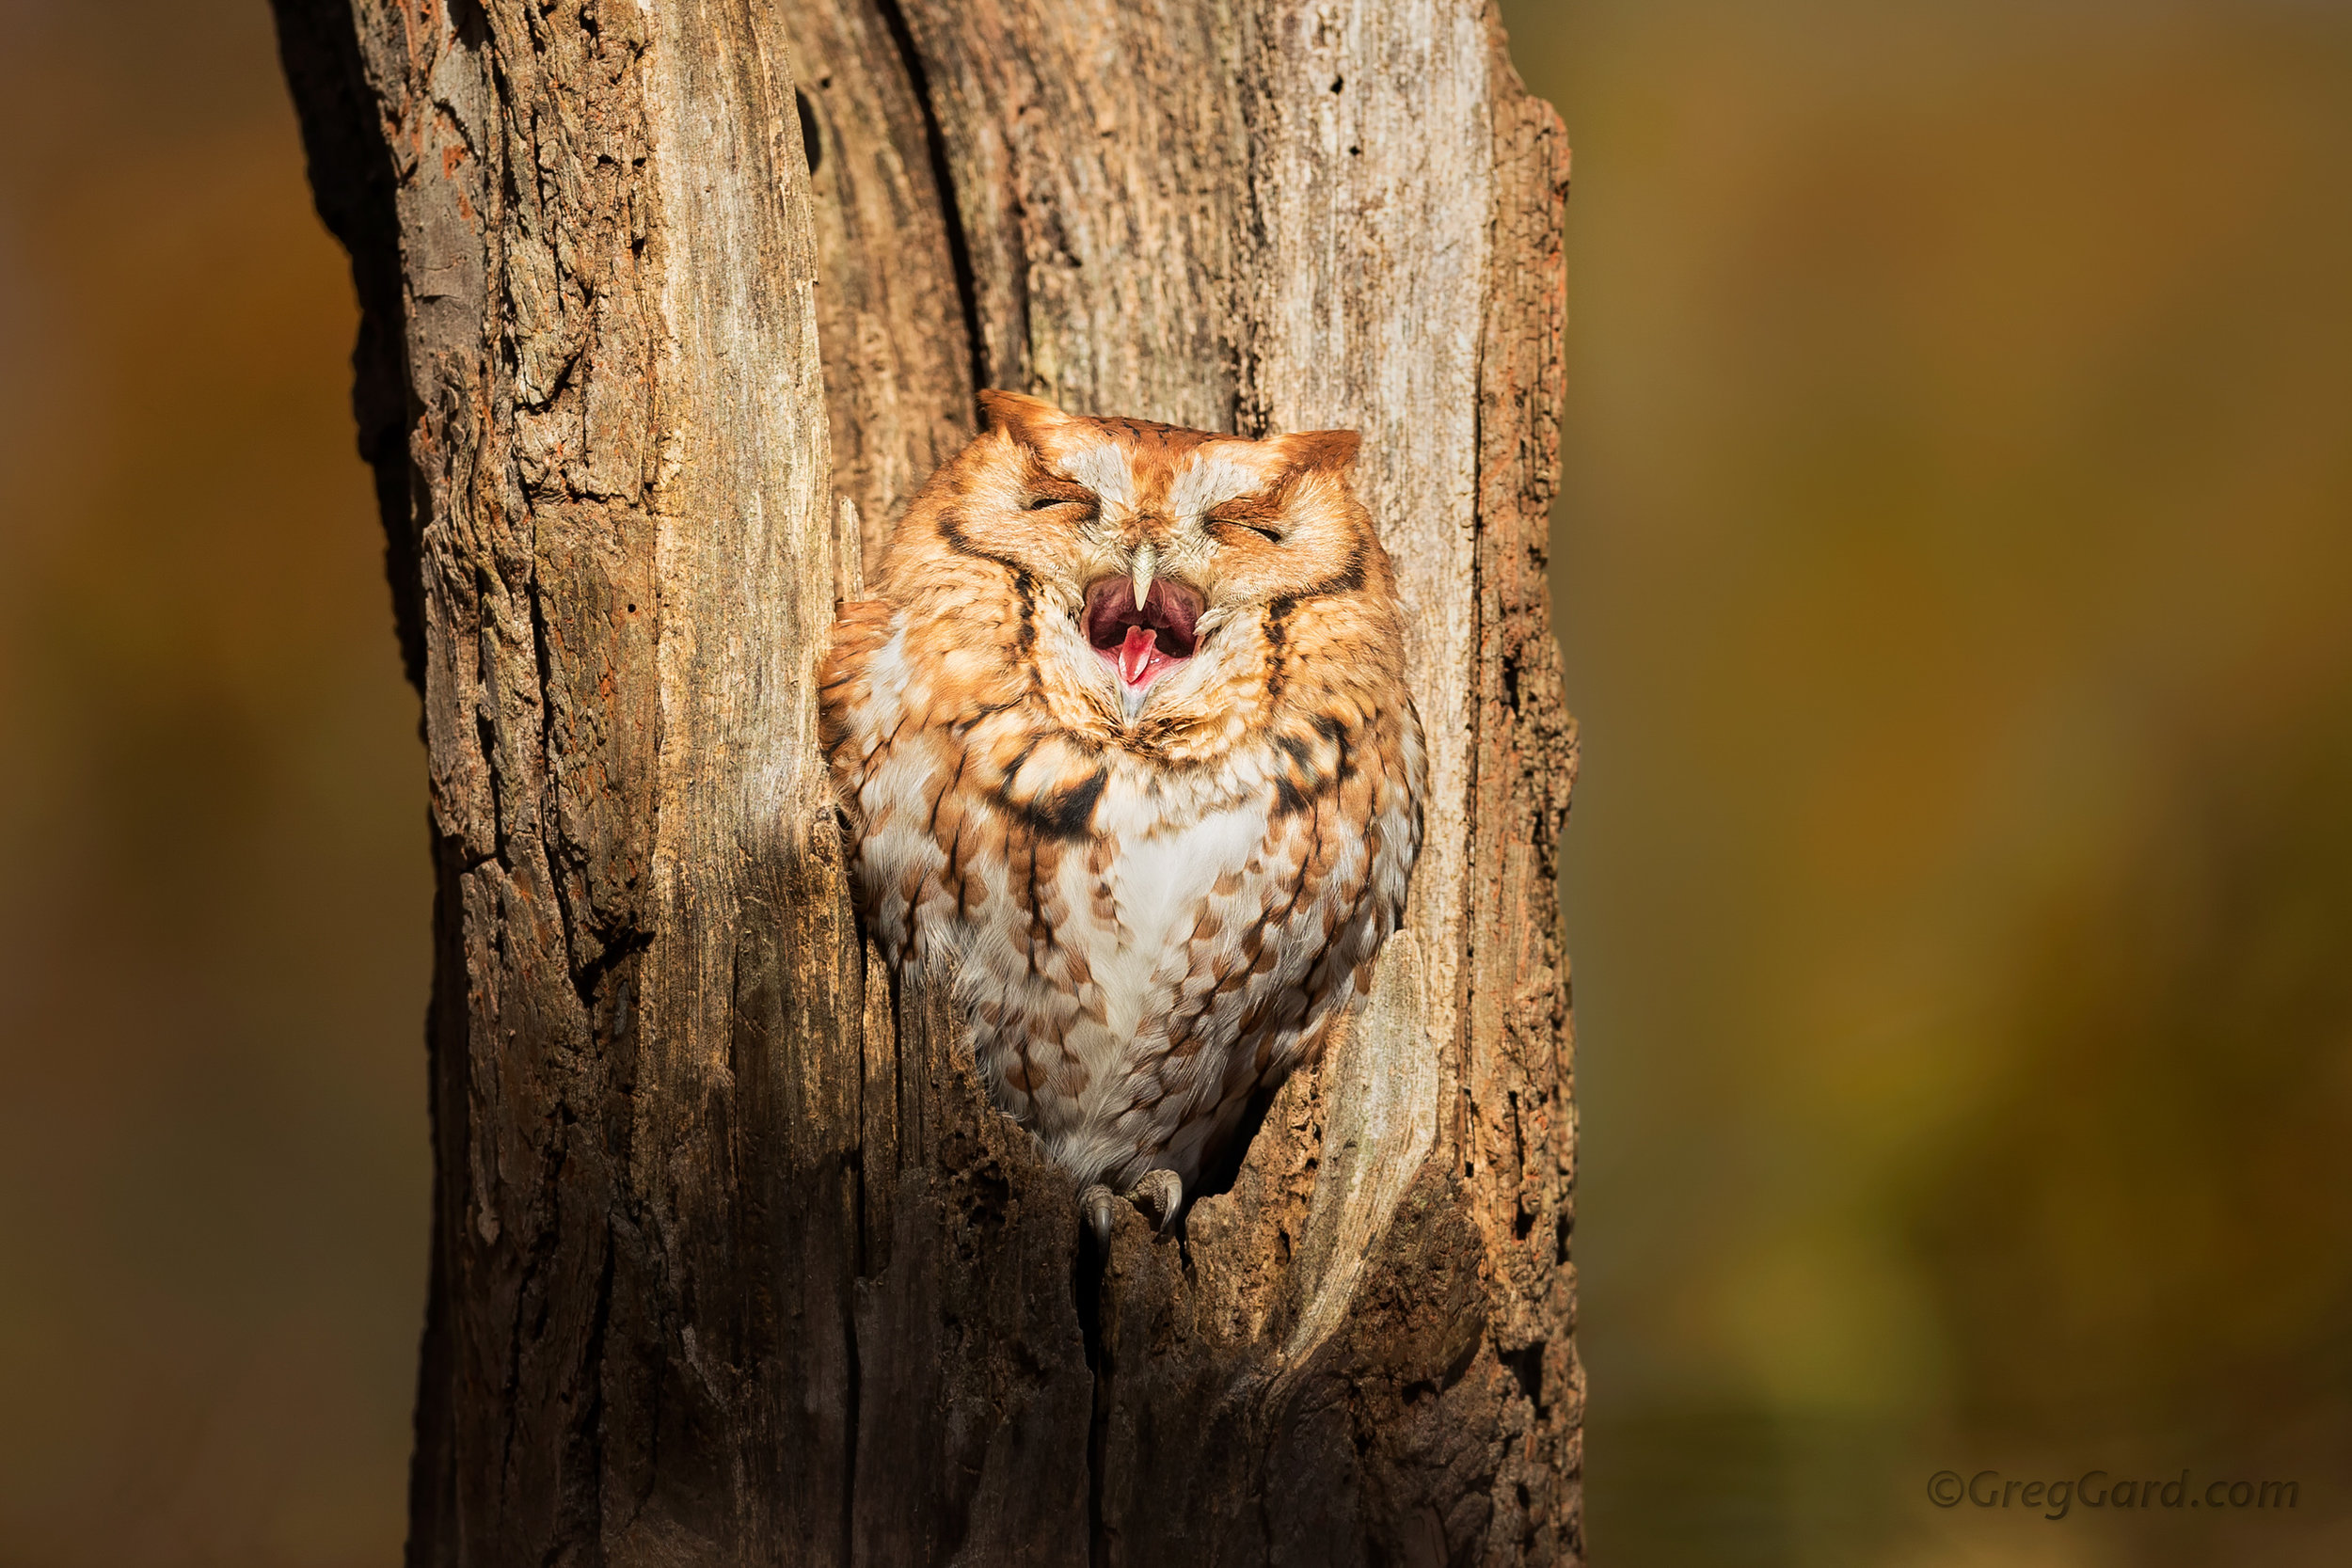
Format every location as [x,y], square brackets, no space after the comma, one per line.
[890,311]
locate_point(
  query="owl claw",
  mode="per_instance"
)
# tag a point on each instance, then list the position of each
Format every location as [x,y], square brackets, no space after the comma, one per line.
[1158,1196]
[1094,1208]
[1160,1193]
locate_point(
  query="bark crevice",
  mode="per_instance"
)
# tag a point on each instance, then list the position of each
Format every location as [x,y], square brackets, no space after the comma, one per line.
[935,145]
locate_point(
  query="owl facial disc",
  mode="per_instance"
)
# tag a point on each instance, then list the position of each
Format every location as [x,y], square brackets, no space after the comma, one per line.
[1141,642]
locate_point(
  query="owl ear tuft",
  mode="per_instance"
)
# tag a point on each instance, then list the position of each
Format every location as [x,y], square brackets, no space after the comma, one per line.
[1024,419]
[1330,451]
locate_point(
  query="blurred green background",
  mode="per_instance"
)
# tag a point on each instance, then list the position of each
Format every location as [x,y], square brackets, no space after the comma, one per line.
[1951,567]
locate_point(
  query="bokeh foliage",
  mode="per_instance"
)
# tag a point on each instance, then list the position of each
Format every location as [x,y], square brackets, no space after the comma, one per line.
[214,946]
[1951,568]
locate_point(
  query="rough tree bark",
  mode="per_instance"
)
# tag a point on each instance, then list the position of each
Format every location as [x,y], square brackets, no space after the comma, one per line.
[732,1262]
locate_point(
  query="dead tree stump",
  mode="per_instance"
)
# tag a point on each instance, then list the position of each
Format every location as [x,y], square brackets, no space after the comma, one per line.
[732,1262]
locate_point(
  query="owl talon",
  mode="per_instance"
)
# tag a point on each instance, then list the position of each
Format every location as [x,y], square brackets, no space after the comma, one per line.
[1094,1208]
[1160,1193]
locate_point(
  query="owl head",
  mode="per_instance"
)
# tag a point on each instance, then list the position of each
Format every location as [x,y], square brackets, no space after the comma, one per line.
[1163,566]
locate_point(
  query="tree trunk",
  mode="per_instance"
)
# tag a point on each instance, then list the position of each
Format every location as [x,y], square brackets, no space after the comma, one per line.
[733,1262]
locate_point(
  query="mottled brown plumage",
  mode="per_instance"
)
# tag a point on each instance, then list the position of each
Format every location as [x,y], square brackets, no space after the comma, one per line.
[1125,740]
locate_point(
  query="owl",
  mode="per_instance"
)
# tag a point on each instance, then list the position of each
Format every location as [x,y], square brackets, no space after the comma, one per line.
[1124,743]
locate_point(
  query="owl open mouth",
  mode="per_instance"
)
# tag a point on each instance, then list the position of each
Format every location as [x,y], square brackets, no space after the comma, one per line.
[1140,643]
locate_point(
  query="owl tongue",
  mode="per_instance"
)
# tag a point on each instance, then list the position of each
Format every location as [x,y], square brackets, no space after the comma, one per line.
[1138,653]
[1142,642]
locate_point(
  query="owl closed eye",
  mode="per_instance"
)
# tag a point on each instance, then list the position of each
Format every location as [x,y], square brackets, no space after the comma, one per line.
[1125,742]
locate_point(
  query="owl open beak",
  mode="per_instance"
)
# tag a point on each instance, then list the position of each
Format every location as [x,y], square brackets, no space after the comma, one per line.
[1141,642]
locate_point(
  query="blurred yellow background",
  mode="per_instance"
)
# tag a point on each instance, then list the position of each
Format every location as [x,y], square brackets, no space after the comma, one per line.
[1951,570]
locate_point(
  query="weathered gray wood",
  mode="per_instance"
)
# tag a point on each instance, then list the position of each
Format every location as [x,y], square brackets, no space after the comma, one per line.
[733,1263]
[889,311]
[648,989]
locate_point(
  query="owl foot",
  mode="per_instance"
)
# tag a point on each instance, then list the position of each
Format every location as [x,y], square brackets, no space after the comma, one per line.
[1094,1208]
[1158,1196]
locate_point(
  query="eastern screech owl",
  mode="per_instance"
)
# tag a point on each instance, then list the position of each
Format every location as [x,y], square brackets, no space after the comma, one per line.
[1125,744]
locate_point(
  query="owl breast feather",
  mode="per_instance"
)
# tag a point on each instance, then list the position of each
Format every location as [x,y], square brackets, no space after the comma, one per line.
[1141,951]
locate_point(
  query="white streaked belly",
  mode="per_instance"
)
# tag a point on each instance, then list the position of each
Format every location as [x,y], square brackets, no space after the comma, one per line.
[1159,880]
